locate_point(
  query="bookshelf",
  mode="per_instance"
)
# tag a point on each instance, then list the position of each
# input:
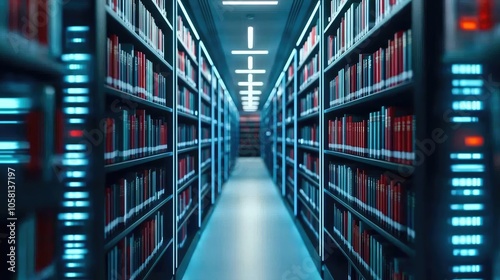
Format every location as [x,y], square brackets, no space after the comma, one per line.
[32,156]
[111,135]
[384,193]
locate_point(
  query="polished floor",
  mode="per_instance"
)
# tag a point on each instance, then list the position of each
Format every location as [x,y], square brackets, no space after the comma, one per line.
[251,235]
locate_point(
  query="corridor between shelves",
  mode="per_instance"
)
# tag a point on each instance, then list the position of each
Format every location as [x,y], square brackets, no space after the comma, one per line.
[251,235]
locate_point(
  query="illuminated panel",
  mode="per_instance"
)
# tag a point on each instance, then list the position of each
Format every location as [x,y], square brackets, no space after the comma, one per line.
[75,216]
[468,168]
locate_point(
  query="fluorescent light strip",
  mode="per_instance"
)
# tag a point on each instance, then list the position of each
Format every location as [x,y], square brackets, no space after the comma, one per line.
[289,60]
[250,97]
[206,53]
[307,24]
[250,37]
[188,20]
[250,62]
[250,78]
[248,71]
[279,79]
[250,52]
[249,2]
[250,92]
[259,84]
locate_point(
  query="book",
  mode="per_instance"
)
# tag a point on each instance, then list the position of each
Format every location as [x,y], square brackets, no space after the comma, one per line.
[187,102]
[184,35]
[186,168]
[378,196]
[309,72]
[187,135]
[130,195]
[309,135]
[131,257]
[308,45]
[309,103]
[131,134]
[129,71]
[310,164]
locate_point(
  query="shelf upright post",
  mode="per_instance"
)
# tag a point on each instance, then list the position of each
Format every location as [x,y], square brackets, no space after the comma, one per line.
[175,66]
[295,132]
[200,90]
[219,133]
[214,135]
[85,21]
[283,133]
[321,132]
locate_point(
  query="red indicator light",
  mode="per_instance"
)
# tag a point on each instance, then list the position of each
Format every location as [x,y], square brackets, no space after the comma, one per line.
[75,133]
[485,14]
[474,141]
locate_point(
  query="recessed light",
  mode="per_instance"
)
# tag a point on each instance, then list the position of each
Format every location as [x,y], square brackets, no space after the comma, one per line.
[259,84]
[250,37]
[249,2]
[250,92]
[250,52]
[250,62]
[249,71]
[250,97]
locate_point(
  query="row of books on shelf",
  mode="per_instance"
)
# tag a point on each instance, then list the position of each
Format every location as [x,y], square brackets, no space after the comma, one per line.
[130,195]
[309,104]
[184,201]
[187,135]
[186,68]
[386,68]
[205,135]
[149,30]
[310,193]
[205,68]
[130,71]
[205,155]
[311,41]
[354,24]
[310,220]
[186,101]
[371,252]
[125,10]
[183,235]
[133,254]
[185,36]
[162,6]
[290,154]
[384,8]
[32,20]
[309,135]
[289,133]
[334,8]
[389,202]
[186,168]
[310,164]
[206,111]
[290,73]
[132,134]
[205,90]
[387,135]
[310,71]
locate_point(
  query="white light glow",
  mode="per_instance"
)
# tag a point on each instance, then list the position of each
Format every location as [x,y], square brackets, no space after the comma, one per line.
[259,84]
[250,78]
[250,97]
[249,71]
[249,2]
[250,62]
[250,52]
[250,37]
[256,92]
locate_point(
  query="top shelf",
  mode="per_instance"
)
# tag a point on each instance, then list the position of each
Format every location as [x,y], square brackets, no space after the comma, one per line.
[185,48]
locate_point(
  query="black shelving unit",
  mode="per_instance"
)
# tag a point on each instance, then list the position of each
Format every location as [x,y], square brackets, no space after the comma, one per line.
[249,145]
[442,184]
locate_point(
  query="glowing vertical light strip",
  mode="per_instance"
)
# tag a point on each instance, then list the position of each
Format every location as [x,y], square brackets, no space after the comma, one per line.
[75,158]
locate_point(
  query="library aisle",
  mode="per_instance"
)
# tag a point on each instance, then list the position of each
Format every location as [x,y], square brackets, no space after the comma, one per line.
[250,235]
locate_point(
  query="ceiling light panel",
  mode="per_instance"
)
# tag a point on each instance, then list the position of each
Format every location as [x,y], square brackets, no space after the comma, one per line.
[250,62]
[250,92]
[259,84]
[249,2]
[250,37]
[250,71]
[250,52]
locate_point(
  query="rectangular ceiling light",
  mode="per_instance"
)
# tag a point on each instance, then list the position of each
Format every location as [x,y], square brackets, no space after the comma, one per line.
[250,78]
[250,97]
[248,71]
[250,92]
[250,62]
[250,52]
[249,2]
[250,37]
[259,84]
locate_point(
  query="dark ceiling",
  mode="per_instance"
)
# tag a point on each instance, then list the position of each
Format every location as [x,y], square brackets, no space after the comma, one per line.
[224,28]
